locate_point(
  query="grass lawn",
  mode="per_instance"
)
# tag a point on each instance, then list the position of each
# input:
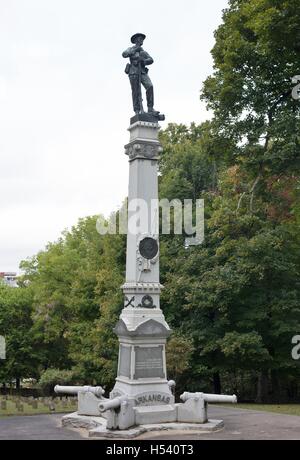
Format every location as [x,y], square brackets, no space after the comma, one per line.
[70,405]
[289,409]
[57,406]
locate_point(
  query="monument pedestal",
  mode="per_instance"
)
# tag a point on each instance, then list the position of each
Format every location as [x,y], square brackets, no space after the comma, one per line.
[142,363]
[142,329]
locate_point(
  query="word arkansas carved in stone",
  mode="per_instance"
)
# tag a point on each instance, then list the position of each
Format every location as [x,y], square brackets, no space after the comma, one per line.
[152,398]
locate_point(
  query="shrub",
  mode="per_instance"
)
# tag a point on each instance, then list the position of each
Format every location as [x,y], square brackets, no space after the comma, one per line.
[52,377]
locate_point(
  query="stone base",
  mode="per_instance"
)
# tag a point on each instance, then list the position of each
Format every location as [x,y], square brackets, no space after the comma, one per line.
[148,117]
[96,427]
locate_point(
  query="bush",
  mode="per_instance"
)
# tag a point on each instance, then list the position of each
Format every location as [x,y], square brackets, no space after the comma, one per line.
[52,377]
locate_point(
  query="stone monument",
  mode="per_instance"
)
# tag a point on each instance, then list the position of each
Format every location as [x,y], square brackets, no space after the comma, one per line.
[142,395]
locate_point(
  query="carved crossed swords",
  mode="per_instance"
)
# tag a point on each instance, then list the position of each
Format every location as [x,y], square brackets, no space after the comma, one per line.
[129,302]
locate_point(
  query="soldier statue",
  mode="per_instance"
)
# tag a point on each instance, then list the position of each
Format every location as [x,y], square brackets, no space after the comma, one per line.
[138,75]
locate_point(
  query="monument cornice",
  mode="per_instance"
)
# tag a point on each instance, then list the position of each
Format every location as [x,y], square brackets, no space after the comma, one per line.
[142,287]
[149,328]
[144,149]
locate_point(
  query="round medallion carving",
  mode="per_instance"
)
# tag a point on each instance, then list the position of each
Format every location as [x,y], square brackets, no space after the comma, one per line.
[148,248]
[147,302]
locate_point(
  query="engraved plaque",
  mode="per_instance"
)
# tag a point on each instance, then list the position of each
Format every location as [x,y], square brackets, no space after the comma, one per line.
[149,362]
[125,361]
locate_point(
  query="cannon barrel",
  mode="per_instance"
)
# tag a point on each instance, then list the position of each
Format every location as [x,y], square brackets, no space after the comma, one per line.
[209,397]
[111,403]
[68,390]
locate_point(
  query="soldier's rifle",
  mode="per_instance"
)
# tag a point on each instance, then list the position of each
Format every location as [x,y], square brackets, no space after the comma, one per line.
[140,84]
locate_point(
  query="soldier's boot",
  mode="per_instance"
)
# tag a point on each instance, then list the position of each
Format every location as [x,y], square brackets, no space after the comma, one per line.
[150,101]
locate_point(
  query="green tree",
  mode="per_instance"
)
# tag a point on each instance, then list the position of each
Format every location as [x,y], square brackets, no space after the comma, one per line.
[23,351]
[238,294]
[77,298]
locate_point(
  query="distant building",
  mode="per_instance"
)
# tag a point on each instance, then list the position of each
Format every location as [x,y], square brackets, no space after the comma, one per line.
[9,278]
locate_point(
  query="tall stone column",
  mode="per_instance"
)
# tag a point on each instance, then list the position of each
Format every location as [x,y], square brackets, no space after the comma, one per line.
[142,329]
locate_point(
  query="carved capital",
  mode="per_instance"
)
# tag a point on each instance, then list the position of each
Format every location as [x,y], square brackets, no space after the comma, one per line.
[145,150]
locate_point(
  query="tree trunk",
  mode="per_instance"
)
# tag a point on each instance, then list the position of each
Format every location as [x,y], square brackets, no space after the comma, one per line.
[18,383]
[217,383]
[276,396]
[262,388]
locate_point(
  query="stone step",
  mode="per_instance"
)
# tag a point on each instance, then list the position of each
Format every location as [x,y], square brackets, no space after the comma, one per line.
[145,415]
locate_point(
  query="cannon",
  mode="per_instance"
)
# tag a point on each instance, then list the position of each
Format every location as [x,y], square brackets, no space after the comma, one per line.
[88,397]
[209,398]
[120,412]
[194,409]
[172,385]
[67,390]
[110,404]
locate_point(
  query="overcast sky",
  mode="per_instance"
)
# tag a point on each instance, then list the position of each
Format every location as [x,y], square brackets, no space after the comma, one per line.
[65,104]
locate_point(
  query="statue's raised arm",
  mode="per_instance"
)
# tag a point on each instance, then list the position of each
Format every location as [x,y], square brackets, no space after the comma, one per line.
[138,75]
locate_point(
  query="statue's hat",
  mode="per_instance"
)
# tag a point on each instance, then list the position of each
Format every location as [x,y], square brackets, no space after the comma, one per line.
[135,36]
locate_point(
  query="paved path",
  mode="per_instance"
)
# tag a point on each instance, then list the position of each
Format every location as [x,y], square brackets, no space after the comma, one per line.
[36,427]
[242,424]
[239,424]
